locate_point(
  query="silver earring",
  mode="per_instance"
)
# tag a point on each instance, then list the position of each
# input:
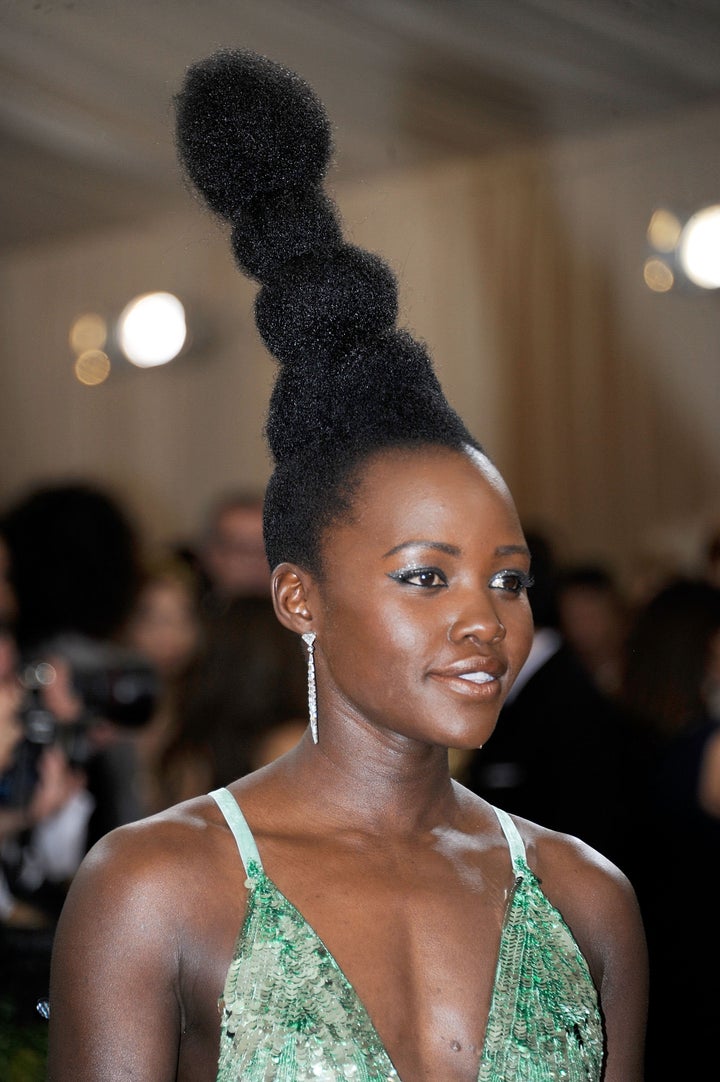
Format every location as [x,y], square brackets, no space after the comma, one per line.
[309,640]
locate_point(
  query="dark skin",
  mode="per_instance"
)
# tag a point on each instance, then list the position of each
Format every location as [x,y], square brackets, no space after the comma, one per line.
[403,873]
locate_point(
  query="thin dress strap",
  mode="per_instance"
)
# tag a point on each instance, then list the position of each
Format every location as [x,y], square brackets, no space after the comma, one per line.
[235,819]
[515,842]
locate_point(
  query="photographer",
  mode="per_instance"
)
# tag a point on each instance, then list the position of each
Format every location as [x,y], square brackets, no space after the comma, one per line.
[74,571]
[68,696]
[44,805]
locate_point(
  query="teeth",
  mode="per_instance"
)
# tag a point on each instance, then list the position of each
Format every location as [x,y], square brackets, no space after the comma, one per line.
[477,677]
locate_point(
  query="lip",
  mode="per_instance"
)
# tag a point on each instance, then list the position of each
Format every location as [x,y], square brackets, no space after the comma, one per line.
[478,678]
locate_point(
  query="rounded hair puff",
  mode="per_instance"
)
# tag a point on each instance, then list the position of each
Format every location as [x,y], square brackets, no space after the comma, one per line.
[255,141]
[247,127]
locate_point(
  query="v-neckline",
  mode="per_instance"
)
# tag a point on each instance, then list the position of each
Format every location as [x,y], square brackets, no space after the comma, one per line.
[252,862]
[255,868]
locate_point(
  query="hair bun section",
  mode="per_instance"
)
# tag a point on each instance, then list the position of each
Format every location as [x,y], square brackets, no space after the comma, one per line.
[284,226]
[323,305]
[246,126]
[381,394]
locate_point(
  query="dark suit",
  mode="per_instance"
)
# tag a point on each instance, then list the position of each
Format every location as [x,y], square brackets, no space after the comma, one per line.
[562,756]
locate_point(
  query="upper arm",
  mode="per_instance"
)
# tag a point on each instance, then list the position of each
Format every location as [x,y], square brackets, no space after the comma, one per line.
[624,981]
[114,1004]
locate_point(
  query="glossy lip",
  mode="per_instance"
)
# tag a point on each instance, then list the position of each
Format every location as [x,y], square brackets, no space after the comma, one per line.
[457,677]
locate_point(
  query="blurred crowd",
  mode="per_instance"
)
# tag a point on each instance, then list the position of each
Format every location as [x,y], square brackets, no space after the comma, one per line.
[131,680]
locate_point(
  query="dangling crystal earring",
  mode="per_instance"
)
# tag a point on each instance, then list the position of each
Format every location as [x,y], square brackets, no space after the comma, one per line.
[309,640]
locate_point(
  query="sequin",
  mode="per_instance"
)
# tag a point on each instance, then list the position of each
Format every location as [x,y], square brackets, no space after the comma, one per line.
[289,1014]
[544,1020]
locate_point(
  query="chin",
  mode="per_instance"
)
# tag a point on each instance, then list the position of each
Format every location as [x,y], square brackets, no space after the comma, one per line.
[466,739]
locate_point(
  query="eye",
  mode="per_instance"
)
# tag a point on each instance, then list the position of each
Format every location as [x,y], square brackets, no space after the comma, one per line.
[512,582]
[430,578]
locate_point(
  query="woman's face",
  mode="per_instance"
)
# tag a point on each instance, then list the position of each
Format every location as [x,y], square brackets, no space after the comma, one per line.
[164,627]
[421,616]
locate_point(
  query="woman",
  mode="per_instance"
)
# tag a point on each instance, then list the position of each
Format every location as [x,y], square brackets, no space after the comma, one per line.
[380,922]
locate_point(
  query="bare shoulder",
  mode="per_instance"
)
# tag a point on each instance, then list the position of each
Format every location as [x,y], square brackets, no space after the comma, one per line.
[146,932]
[563,857]
[573,875]
[146,886]
[594,896]
[147,858]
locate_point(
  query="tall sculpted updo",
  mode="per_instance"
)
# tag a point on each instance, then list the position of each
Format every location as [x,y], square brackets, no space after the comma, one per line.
[255,141]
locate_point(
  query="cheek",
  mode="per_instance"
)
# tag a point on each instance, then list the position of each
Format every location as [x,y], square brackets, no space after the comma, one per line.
[373,657]
[519,627]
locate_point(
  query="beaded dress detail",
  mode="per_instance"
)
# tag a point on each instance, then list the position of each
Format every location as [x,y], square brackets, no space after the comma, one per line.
[544,1021]
[289,1014]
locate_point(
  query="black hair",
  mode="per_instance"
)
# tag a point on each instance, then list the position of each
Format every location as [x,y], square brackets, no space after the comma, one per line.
[256,142]
[74,562]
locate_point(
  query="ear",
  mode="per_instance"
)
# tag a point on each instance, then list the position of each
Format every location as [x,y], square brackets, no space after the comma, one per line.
[292,592]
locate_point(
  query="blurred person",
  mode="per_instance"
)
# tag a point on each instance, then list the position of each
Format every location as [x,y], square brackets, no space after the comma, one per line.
[247,679]
[164,624]
[12,820]
[670,687]
[712,559]
[34,825]
[232,554]
[44,806]
[71,565]
[75,572]
[10,699]
[8,602]
[45,803]
[74,563]
[248,676]
[276,741]
[165,628]
[593,619]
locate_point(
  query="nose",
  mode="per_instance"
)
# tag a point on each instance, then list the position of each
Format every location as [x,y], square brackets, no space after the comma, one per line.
[478,621]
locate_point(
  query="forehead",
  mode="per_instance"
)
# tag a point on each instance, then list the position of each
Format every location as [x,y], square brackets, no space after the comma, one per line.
[433,494]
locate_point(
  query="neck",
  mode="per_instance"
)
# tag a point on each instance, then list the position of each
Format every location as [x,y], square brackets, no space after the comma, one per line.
[382,781]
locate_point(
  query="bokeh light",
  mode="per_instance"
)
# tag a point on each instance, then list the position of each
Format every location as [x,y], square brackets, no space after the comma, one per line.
[664,230]
[88,331]
[700,248]
[152,329]
[658,275]
[92,367]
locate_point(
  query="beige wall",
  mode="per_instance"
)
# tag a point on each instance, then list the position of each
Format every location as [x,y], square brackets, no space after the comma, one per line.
[598,399]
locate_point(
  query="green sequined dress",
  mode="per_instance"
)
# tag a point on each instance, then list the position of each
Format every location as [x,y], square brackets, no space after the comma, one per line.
[289,1014]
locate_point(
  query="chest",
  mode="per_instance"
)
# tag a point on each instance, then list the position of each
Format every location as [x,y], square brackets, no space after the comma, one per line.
[403,981]
[406,961]
[400,979]
[286,994]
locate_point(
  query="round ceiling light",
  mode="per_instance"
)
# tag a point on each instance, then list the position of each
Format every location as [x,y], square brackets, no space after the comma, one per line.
[152,330]
[699,249]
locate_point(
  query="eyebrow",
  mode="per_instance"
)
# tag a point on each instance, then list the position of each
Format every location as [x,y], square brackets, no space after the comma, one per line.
[513,550]
[453,550]
[440,546]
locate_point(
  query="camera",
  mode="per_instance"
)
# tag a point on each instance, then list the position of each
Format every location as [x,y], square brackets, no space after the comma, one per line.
[113,684]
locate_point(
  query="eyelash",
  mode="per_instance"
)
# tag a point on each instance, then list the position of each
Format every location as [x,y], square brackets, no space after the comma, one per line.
[522,581]
[410,573]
